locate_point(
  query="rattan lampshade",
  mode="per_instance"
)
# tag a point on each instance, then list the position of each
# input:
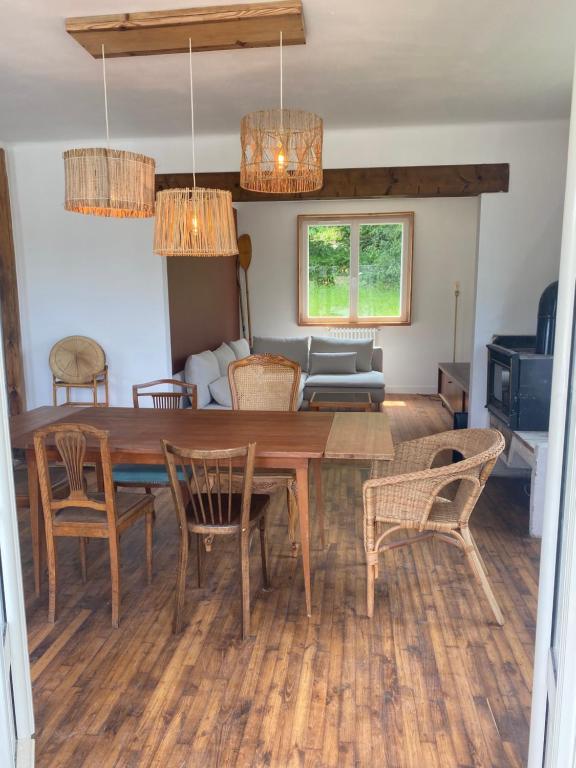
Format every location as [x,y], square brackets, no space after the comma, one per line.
[281,151]
[109,182]
[194,222]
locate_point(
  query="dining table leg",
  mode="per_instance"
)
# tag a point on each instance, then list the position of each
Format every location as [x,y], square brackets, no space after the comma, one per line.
[317,467]
[35,519]
[302,491]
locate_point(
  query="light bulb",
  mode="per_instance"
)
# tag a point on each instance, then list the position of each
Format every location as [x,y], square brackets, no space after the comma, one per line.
[280,158]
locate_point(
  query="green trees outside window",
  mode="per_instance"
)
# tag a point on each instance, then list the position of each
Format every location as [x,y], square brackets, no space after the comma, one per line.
[377,280]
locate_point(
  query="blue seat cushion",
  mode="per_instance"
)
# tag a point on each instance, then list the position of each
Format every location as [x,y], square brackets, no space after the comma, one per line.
[142,474]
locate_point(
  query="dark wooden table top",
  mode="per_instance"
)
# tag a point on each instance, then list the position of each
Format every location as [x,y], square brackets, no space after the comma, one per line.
[135,433]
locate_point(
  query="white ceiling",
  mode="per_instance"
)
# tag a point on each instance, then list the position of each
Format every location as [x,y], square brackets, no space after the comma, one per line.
[366,62]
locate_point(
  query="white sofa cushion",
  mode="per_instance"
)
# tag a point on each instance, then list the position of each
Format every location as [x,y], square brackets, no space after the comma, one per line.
[362,347]
[372,380]
[220,391]
[241,348]
[202,369]
[225,355]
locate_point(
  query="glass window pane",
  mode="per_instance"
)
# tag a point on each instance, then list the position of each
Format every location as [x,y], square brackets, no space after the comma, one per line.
[380,266]
[329,270]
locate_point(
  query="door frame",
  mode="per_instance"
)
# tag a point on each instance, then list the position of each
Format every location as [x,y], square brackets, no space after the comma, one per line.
[17,641]
[553,723]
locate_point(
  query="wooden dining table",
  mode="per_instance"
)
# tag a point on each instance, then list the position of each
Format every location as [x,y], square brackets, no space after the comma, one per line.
[284,440]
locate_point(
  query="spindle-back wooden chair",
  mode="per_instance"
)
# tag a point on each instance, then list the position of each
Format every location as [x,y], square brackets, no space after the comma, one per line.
[205,491]
[150,476]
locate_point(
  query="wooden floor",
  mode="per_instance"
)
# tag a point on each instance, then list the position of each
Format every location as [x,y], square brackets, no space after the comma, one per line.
[430,681]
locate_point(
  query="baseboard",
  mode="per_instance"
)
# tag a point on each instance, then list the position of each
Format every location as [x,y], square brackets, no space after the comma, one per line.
[25,749]
[399,389]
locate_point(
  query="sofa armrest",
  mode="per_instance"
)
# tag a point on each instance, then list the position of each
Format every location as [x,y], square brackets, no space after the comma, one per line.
[378,359]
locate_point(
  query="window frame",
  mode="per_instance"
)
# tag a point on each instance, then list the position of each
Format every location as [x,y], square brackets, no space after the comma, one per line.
[355,220]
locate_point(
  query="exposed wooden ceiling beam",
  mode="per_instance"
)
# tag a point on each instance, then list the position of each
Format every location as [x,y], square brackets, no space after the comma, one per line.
[348,183]
[216,28]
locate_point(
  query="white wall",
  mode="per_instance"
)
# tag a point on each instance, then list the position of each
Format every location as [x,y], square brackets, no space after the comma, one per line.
[445,236]
[79,274]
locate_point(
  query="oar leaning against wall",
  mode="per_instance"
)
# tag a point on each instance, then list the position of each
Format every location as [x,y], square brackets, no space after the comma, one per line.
[244,259]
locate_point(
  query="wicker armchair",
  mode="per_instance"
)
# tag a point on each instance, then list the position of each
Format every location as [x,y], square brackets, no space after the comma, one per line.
[407,493]
[269,383]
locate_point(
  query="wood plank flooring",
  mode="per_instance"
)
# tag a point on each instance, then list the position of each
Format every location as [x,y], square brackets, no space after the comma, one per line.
[430,681]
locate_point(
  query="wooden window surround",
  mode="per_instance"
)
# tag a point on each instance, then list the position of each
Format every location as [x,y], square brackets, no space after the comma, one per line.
[355,221]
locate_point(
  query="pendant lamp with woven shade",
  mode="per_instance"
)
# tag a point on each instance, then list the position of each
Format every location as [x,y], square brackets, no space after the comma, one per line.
[197,221]
[100,181]
[281,149]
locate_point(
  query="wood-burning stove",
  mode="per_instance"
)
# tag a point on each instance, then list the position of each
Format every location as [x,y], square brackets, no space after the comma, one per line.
[520,372]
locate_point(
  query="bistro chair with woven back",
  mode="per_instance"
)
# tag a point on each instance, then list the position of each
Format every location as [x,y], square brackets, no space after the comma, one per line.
[209,503]
[81,513]
[410,493]
[180,395]
[269,383]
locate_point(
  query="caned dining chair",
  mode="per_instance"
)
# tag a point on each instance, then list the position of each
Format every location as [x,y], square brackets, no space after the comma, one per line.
[86,515]
[208,504]
[269,383]
[150,476]
[410,493]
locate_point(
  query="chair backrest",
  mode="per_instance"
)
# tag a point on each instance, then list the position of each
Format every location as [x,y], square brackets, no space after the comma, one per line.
[165,400]
[70,443]
[264,383]
[211,484]
[479,449]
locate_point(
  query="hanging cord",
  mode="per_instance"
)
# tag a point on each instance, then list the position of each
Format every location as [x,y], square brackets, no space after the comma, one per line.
[281,85]
[105,97]
[281,79]
[192,111]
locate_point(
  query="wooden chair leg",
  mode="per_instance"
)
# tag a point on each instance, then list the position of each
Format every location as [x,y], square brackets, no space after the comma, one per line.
[292,520]
[264,552]
[370,577]
[52,575]
[480,558]
[245,569]
[317,464]
[479,571]
[149,543]
[148,489]
[114,545]
[199,548]
[83,564]
[181,581]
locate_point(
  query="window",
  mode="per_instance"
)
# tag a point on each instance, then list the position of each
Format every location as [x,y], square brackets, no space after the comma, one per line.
[355,270]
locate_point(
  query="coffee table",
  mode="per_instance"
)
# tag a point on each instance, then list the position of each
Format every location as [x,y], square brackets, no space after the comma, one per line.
[340,401]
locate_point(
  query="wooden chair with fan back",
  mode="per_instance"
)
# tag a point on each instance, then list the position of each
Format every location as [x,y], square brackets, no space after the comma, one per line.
[81,513]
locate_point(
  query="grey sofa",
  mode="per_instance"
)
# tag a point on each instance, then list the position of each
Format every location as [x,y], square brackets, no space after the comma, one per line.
[208,370]
[367,377]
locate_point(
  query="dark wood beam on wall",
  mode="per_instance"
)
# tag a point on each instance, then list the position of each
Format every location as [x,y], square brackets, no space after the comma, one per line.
[350,183]
[10,315]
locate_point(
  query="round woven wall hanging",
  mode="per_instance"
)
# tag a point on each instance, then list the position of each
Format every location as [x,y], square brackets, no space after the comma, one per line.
[77,359]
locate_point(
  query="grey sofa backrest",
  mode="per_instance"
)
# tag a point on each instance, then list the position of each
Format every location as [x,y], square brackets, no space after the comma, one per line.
[294,348]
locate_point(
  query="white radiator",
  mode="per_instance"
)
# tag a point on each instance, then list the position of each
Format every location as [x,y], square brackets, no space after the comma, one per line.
[353,333]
